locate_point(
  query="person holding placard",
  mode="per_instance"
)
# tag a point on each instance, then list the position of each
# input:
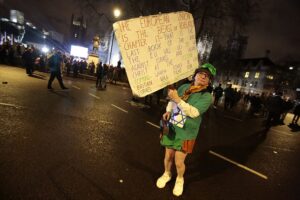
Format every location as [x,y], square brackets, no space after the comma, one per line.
[184,115]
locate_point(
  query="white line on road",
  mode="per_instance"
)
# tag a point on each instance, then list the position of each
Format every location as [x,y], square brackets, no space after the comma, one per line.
[229,117]
[281,132]
[73,86]
[101,121]
[278,149]
[152,124]
[94,96]
[239,165]
[119,108]
[11,105]
[104,122]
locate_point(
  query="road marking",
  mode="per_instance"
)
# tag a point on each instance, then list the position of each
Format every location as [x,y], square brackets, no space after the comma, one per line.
[239,165]
[73,86]
[94,96]
[281,132]
[104,122]
[11,105]
[137,104]
[228,117]
[101,121]
[152,124]
[278,149]
[119,108]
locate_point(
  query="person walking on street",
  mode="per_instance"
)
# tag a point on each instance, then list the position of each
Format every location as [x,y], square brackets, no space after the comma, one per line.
[296,115]
[27,58]
[104,78]
[229,93]
[286,107]
[55,63]
[275,107]
[99,75]
[184,113]
[218,93]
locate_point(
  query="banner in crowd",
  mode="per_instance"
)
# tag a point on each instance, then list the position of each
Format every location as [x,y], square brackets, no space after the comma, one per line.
[157,50]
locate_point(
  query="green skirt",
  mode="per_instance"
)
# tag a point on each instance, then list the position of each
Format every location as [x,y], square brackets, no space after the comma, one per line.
[171,141]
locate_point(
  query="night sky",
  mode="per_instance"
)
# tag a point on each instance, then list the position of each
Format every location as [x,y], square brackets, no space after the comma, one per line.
[278,28]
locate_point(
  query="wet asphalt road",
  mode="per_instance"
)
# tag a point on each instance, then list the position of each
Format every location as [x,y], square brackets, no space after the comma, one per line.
[89,144]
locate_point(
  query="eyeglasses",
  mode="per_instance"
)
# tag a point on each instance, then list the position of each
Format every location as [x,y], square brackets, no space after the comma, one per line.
[203,74]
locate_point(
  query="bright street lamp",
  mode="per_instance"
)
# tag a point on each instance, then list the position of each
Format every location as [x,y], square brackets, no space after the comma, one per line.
[117,12]
[45,50]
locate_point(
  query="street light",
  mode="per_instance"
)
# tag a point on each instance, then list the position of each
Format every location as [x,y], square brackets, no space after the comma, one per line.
[45,49]
[117,13]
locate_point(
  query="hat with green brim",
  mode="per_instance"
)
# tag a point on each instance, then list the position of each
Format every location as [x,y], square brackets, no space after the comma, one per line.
[208,68]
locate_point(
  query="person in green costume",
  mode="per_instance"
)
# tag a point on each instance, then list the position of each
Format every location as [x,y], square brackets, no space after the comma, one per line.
[184,113]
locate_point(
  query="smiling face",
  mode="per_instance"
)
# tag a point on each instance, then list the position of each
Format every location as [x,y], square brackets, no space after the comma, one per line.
[201,79]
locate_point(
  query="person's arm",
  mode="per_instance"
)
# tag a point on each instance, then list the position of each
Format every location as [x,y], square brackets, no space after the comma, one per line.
[188,109]
[192,111]
[169,106]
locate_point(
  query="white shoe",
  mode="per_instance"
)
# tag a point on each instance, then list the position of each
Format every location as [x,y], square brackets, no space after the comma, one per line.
[162,181]
[178,188]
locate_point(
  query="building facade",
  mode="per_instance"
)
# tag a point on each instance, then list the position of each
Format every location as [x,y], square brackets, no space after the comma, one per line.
[262,75]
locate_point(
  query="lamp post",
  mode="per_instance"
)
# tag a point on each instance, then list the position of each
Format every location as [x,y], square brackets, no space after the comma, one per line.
[117,14]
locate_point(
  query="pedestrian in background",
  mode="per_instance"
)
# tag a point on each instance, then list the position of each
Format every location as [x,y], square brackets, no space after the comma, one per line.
[296,115]
[55,63]
[27,58]
[99,75]
[218,93]
[184,112]
[275,107]
[229,93]
[104,78]
[286,107]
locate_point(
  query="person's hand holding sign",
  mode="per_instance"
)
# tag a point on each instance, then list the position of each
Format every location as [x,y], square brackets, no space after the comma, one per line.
[173,95]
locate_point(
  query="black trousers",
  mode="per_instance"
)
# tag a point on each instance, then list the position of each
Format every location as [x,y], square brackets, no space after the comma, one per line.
[216,101]
[29,69]
[99,81]
[58,76]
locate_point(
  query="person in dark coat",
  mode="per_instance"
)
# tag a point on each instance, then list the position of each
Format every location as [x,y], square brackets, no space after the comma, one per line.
[296,115]
[229,93]
[287,106]
[218,93]
[104,76]
[27,58]
[55,63]
[255,104]
[99,75]
[275,107]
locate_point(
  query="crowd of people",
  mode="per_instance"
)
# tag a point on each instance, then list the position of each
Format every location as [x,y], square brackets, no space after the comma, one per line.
[33,59]
[74,66]
[18,54]
[273,106]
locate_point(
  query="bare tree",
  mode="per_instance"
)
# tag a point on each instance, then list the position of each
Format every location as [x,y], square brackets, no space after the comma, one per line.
[97,13]
[210,15]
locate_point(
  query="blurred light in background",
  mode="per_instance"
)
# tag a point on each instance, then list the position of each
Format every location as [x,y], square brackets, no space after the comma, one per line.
[45,49]
[79,51]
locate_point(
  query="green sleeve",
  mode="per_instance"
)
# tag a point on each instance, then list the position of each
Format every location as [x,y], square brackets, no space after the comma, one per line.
[203,103]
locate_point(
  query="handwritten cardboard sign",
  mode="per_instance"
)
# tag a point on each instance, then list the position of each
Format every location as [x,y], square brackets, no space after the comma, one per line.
[157,50]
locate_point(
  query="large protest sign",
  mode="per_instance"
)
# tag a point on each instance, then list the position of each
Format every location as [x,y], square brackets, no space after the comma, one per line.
[157,50]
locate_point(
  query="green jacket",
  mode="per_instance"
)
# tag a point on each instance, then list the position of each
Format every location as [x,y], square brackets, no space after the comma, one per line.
[199,100]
